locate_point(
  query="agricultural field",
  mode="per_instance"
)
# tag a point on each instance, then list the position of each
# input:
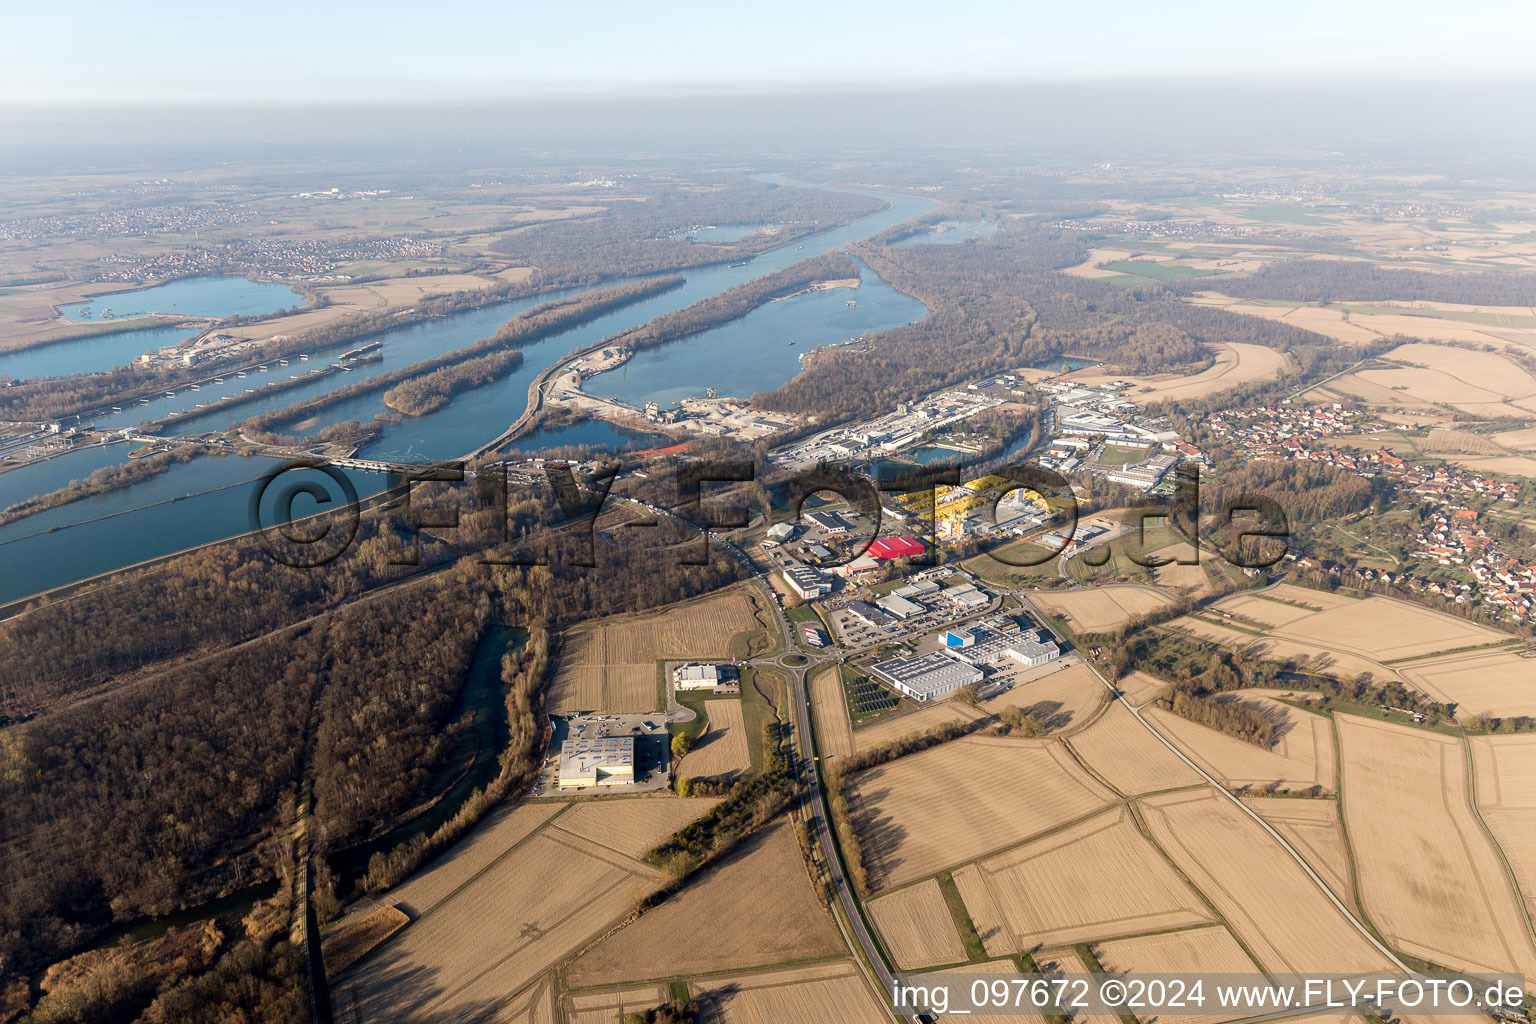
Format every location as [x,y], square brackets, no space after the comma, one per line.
[1481,384]
[497,833]
[1361,323]
[1265,897]
[1300,759]
[947,805]
[1093,880]
[1378,628]
[1141,687]
[611,665]
[982,910]
[1067,962]
[610,1007]
[829,711]
[1097,609]
[344,947]
[799,995]
[755,908]
[1429,877]
[888,729]
[1314,828]
[722,750]
[1502,683]
[1236,363]
[1064,699]
[533,1005]
[1124,754]
[1505,767]
[1000,968]
[632,826]
[499,931]
[916,926]
[1199,950]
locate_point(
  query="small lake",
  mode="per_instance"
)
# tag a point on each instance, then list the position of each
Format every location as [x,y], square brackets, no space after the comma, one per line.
[1065,364]
[724,234]
[952,232]
[192,296]
[91,354]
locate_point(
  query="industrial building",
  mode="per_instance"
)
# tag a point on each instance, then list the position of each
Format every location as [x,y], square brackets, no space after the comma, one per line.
[807,582]
[597,761]
[895,547]
[981,645]
[900,606]
[859,566]
[695,676]
[781,532]
[967,596]
[927,676]
[831,522]
[870,614]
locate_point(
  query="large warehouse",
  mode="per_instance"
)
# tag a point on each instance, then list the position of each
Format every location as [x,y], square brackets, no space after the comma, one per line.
[927,676]
[597,761]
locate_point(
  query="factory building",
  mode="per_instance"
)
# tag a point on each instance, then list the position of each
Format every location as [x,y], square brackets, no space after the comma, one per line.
[704,677]
[597,761]
[870,614]
[781,532]
[968,597]
[900,606]
[896,547]
[928,676]
[829,521]
[807,582]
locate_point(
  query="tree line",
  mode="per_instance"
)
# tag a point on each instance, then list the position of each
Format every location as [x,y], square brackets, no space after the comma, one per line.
[1363,281]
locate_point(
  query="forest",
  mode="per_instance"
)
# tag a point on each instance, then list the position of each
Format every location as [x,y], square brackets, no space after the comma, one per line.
[631,238]
[430,392]
[1362,281]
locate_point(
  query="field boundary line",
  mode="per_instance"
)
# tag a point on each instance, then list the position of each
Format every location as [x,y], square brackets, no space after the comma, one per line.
[1256,817]
[1509,871]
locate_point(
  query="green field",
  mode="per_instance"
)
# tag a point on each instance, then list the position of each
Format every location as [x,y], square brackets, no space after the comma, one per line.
[1156,271]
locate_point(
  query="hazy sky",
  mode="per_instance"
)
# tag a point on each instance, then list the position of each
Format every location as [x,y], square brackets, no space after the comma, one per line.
[287,52]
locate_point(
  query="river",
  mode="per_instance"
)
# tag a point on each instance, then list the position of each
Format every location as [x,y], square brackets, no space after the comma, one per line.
[157,517]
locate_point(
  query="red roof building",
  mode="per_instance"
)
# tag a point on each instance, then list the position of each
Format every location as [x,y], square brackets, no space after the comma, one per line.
[895,547]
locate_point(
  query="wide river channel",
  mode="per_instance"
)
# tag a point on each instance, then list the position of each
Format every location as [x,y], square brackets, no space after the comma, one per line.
[207,499]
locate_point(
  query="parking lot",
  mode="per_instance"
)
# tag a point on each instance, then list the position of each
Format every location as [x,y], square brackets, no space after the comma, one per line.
[652,753]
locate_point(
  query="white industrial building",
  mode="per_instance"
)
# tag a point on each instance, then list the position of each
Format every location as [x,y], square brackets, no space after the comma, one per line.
[807,582]
[695,676]
[781,532]
[927,676]
[597,761]
[967,596]
[900,606]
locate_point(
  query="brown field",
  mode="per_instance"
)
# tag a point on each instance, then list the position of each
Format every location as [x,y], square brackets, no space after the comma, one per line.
[755,908]
[1376,627]
[635,826]
[1501,684]
[1001,968]
[945,806]
[1091,268]
[610,1007]
[533,1005]
[1123,753]
[1236,363]
[829,711]
[1182,580]
[990,927]
[499,932]
[1263,894]
[915,924]
[1209,630]
[1356,327]
[889,729]
[497,833]
[1302,758]
[1099,608]
[1479,383]
[610,665]
[1506,795]
[1096,879]
[1429,877]
[1314,829]
[722,750]
[1339,664]
[1199,950]
[801,995]
[1066,962]
[1139,687]
[344,947]
[1064,700]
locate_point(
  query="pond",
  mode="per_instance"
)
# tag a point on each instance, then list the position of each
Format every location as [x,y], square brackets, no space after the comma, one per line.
[191,296]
